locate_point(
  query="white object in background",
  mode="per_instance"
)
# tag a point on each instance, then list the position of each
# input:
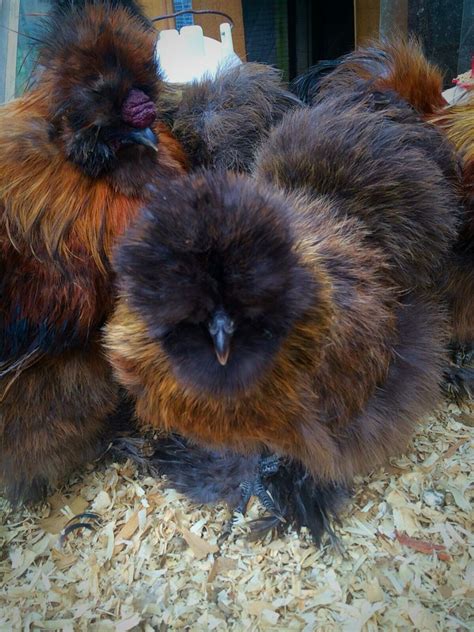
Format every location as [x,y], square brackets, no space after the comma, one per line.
[454,95]
[188,55]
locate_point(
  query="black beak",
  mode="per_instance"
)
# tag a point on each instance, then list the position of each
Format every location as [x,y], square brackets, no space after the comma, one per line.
[221,329]
[143,137]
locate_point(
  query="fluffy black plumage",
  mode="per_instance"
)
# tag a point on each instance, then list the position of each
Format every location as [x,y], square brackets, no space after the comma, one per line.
[221,121]
[306,86]
[205,476]
[211,476]
[361,132]
[263,282]
[304,503]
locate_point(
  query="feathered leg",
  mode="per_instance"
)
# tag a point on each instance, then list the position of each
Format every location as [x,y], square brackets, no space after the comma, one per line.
[458,381]
[303,502]
[267,466]
[285,489]
[257,486]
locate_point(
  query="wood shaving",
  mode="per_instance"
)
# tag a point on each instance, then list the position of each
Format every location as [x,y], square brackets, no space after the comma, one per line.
[156,563]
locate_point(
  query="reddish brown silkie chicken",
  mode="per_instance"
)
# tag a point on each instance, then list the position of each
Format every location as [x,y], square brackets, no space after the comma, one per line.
[79,154]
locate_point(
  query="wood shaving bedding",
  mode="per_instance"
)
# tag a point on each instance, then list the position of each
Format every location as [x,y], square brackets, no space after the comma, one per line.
[155,562]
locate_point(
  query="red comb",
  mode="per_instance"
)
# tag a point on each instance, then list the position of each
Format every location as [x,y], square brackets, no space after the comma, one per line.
[138,110]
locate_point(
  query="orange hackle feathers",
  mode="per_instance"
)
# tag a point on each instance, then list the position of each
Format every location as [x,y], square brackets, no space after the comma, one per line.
[457,121]
[51,204]
[399,65]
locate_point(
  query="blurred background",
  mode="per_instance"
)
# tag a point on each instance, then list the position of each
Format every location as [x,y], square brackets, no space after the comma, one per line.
[292,35]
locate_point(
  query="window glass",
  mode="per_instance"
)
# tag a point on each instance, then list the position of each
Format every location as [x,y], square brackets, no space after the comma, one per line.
[445,27]
[20,22]
[31,13]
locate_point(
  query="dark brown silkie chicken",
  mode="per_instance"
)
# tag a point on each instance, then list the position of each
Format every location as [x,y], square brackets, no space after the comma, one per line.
[79,154]
[293,313]
[221,121]
[401,67]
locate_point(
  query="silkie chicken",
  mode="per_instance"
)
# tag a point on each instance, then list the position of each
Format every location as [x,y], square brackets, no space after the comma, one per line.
[287,326]
[79,154]
[221,120]
[400,66]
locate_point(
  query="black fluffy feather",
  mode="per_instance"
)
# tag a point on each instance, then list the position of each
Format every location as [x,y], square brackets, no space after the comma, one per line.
[458,382]
[220,121]
[206,476]
[304,503]
[306,86]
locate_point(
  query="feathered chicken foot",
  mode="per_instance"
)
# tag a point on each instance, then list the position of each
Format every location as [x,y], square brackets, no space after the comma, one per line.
[459,376]
[268,465]
[459,383]
[464,355]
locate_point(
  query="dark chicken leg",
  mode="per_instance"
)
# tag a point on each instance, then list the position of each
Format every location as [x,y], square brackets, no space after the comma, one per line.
[267,466]
[464,355]
[459,376]
[237,477]
[285,489]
